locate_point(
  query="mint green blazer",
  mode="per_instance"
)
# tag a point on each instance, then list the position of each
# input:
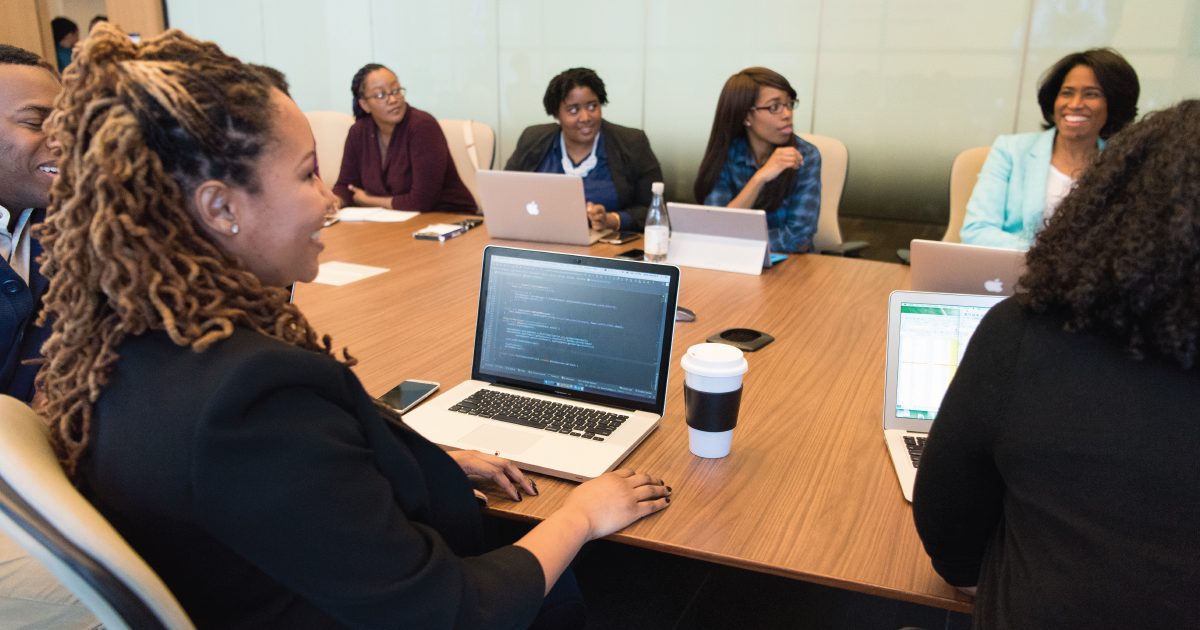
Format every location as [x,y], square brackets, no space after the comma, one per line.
[1006,206]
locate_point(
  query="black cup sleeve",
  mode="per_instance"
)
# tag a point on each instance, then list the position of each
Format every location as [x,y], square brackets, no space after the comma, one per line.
[714,413]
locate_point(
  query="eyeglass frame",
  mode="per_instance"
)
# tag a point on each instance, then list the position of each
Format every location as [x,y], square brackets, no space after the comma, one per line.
[383,96]
[792,104]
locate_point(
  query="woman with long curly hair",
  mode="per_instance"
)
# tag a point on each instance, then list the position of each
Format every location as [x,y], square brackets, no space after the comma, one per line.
[202,414]
[1061,478]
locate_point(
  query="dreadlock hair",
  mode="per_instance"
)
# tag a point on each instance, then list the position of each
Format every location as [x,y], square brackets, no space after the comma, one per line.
[141,125]
[1120,258]
[356,87]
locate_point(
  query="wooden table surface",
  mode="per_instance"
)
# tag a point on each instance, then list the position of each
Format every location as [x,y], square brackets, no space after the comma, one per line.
[808,491]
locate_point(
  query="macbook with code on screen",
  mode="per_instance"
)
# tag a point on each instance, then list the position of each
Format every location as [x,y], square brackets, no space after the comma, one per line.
[927,337]
[543,207]
[572,355]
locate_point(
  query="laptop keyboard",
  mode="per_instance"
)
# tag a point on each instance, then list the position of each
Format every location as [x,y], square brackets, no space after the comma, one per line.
[915,446]
[538,413]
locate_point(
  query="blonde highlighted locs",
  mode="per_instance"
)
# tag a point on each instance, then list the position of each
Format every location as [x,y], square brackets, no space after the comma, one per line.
[141,125]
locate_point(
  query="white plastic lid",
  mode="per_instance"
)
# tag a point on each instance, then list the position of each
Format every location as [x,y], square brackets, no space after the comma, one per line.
[656,187]
[714,359]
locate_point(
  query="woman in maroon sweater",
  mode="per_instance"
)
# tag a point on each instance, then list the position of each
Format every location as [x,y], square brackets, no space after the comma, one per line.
[396,156]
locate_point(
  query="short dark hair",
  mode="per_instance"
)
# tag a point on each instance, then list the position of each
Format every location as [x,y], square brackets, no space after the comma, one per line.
[98,18]
[276,78]
[1120,257]
[1117,79]
[13,56]
[356,87]
[61,27]
[561,85]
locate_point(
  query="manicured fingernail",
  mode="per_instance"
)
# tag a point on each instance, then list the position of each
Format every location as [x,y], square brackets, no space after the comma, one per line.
[669,489]
[668,499]
[519,499]
[534,484]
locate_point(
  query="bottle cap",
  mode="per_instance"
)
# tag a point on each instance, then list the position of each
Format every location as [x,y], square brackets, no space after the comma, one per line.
[656,187]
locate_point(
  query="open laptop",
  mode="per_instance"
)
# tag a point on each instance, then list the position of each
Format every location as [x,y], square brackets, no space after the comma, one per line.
[927,336]
[958,268]
[544,207]
[714,237]
[571,360]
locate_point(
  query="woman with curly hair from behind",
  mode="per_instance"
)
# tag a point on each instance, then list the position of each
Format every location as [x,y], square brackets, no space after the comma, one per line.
[205,418]
[1061,478]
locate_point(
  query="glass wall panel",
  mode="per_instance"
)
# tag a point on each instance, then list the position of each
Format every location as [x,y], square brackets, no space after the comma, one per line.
[235,25]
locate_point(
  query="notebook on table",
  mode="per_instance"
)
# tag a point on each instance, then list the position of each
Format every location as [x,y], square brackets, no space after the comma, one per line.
[957,268]
[570,367]
[927,336]
[543,207]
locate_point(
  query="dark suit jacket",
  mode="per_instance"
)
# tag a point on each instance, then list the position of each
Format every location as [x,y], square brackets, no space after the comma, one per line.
[261,484]
[631,162]
[20,304]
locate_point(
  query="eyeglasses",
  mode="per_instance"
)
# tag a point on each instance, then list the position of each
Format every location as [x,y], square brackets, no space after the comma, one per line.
[775,108]
[383,96]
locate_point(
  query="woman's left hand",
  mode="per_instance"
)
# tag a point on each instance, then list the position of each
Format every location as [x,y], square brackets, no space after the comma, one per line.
[498,469]
[363,200]
[598,217]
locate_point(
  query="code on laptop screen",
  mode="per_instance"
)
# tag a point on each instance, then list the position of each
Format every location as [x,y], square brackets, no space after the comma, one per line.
[574,327]
[933,339]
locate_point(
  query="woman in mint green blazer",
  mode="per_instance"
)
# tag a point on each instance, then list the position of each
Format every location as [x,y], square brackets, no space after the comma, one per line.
[1085,98]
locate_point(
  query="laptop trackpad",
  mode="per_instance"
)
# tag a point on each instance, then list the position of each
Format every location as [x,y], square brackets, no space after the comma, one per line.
[493,438]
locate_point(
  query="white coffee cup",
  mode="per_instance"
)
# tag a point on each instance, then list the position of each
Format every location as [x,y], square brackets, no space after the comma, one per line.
[713,376]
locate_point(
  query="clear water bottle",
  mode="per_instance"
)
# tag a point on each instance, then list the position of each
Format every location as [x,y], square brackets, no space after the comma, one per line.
[658,227]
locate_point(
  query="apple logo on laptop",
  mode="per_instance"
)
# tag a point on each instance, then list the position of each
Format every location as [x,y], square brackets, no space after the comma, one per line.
[532,208]
[994,286]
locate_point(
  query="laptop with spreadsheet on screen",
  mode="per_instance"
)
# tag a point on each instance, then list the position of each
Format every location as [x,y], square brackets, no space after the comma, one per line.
[571,360]
[927,337]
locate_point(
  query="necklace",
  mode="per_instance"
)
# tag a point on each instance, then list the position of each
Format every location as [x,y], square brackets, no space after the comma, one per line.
[585,166]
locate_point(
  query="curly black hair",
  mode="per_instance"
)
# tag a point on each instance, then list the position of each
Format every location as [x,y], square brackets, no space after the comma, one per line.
[356,86]
[561,86]
[1120,258]
[1117,79]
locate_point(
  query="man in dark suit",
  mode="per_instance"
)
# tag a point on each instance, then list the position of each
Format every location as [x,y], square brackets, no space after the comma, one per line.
[29,596]
[28,86]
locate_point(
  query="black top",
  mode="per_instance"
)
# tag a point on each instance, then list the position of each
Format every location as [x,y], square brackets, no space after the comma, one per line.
[258,480]
[631,163]
[1064,478]
[20,304]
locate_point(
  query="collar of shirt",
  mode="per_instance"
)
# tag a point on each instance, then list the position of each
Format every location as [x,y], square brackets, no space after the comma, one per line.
[14,246]
[556,152]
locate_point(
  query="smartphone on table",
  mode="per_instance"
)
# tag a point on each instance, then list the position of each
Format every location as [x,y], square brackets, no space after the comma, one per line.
[406,395]
[621,238]
[632,254]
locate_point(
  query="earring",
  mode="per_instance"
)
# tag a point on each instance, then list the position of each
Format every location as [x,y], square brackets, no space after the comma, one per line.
[747,124]
[234,229]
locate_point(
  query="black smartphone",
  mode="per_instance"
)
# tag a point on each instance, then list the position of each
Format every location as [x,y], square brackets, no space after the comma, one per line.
[632,254]
[406,395]
[621,239]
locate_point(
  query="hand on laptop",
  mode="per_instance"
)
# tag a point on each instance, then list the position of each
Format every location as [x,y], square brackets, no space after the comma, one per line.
[599,217]
[615,500]
[498,469]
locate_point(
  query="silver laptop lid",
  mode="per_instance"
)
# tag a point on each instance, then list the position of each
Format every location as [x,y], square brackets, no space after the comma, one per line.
[957,268]
[592,329]
[719,221]
[927,336]
[544,207]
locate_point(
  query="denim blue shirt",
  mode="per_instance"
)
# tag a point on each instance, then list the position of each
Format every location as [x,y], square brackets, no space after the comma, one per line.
[792,225]
[598,187]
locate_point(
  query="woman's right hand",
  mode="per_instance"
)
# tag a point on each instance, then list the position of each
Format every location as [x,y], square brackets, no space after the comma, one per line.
[614,500]
[781,160]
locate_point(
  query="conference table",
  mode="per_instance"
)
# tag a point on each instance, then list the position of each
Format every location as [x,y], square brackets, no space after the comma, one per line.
[808,491]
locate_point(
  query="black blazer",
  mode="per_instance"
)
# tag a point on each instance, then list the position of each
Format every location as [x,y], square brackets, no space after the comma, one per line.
[261,484]
[631,163]
[20,303]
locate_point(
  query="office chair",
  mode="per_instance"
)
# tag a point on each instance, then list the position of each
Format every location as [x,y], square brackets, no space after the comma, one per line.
[44,514]
[330,130]
[835,163]
[473,146]
[963,175]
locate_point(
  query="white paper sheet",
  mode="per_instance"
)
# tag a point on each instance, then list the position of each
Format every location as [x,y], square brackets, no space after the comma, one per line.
[340,273]
[376,215]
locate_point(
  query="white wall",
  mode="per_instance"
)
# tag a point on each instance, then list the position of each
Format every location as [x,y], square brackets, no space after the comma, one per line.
[906,84]
[78,11]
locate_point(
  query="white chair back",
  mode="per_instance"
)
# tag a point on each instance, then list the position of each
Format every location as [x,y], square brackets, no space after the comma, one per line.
[330,129]
[835,160]
[473,147]
[44,514]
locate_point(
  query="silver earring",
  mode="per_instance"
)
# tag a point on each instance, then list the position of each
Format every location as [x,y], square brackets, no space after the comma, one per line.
[747,124]
[234,229]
